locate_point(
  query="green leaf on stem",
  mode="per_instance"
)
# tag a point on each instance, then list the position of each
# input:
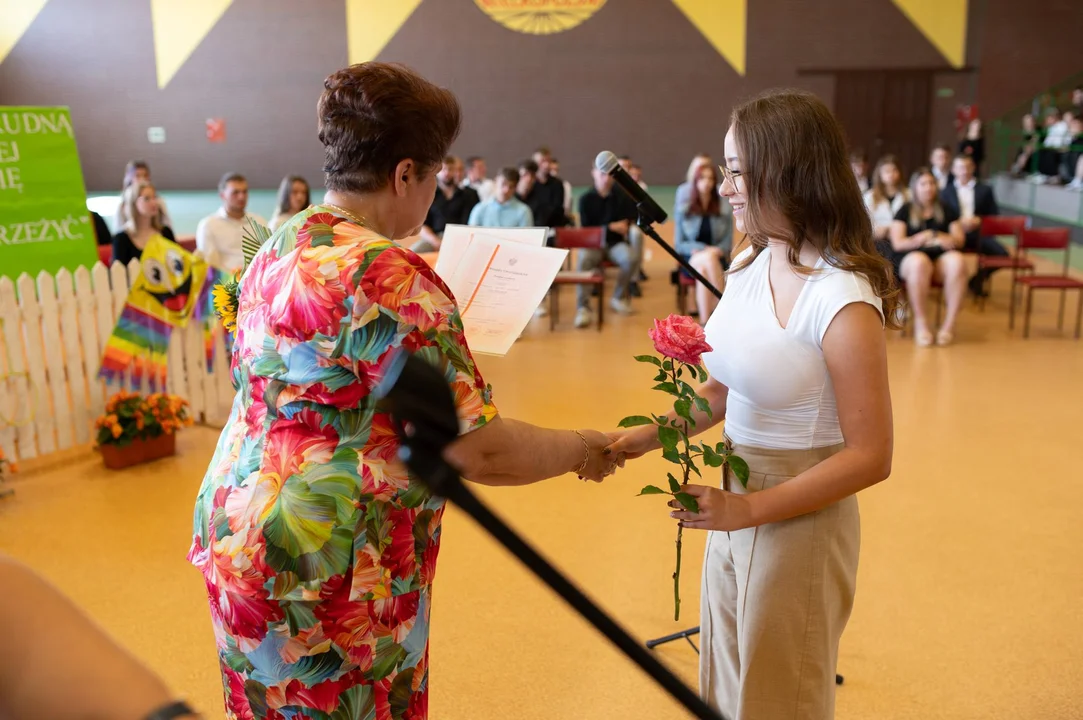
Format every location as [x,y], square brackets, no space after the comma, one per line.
[634,421]
[704,407]
[711,458]
[680,370]
[669,438]
[649,359]
[652,490]
[693,468]
[666,387]
[695,449]
[702,373]
[690,503]
[674,484]
[739,468]
[659,419]
[683,408]
[661,376]
[667,365]
[671,455]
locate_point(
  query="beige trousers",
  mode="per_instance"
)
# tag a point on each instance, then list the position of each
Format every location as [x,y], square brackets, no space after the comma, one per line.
[775,600]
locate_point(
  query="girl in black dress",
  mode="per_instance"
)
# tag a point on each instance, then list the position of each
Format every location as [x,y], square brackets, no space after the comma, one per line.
[925,238]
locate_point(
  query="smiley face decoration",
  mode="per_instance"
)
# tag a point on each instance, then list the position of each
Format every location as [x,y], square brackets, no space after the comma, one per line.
[169,290]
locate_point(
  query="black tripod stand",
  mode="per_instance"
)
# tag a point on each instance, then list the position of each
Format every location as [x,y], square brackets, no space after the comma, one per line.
[418,398]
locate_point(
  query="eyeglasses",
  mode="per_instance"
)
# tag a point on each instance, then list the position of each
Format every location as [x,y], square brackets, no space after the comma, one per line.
[731,175]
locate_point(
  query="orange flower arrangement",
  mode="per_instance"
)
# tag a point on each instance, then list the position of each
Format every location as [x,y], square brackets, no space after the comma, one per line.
[130,416]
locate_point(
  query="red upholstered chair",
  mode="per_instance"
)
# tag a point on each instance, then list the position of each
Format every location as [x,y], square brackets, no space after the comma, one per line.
[188,243]
[105,254]
[685,283]
[569,238]
[1013,225]
[1048,239]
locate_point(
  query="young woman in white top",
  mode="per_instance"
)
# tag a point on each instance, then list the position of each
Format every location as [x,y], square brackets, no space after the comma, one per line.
[886,196]
[799,374]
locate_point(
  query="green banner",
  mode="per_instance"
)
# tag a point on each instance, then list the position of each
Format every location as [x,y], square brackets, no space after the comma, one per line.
[44,222]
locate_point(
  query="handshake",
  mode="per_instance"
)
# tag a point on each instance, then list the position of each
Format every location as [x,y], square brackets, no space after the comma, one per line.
[606,452]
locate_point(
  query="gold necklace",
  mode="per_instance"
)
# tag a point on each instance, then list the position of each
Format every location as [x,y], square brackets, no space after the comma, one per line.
[349,215]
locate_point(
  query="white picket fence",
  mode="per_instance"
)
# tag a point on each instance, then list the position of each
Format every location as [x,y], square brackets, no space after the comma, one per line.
[52,333]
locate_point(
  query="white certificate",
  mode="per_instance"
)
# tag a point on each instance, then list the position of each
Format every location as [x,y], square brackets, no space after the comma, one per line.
[498,285]
[457,239]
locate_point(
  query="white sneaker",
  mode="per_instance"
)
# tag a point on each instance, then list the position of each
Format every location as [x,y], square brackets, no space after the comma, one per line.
[542,311]
[583,317]
[1076,184]
[621,306]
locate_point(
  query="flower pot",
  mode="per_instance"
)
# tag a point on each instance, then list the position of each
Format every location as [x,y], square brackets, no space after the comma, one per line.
[139,451]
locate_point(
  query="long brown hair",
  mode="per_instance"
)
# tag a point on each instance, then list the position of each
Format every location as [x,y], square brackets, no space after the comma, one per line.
[916,210]
[801,188]
[286,189]
[879,191]
[714,205]
[131,196]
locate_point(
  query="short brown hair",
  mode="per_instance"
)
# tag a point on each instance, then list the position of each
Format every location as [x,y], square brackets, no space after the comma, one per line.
[374,115]
[796,170]
[228,178]
[510,174]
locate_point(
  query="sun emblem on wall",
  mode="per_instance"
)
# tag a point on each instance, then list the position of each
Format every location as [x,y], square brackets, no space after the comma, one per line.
[540,17]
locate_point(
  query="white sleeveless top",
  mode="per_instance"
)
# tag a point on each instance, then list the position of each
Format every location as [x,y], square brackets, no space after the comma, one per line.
[780,393]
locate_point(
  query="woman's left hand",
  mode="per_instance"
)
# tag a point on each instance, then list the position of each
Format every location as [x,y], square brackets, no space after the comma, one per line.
[718,510]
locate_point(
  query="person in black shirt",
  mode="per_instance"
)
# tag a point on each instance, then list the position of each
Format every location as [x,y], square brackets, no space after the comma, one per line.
[604,206]
[925,238]
[451,205]
[973,145]
[101,229]
[143,222]
[972,200]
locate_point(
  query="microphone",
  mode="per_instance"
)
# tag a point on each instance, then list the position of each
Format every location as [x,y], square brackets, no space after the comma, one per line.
[607,163]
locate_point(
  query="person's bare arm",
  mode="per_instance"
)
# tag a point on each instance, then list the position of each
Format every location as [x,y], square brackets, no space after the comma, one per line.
[901,243]
[510,452]
[638,441]
[955,236]
[56,663]
[620,226]
[427,233]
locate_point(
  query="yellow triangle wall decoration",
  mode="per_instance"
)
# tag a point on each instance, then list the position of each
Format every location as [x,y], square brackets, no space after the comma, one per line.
[724,23]
[179,28]
[370,25]
[15,19]
[942,22]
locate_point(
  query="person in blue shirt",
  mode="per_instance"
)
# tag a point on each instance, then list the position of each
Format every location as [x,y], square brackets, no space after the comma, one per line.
[503,209]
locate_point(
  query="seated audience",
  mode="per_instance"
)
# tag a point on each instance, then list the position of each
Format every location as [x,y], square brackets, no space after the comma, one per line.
[550,207]
[859,163]
[1029,146]
[703,233]
[635,235]
[503,209]
[973,145]
[1057,138]
[569,198]
[137,171]
[451,205]
[144,221]
[685,190]
[219,236]
[636,173]
[476,178]
[940,165]
[1073,155]
[294,196]
[926,238]
[604,206]
[970,201]
[884,200]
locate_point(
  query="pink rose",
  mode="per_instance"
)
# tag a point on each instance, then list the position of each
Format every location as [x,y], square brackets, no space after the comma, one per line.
[681,338]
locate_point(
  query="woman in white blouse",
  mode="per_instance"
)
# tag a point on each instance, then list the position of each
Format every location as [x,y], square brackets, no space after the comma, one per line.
[886,196]
[799,374]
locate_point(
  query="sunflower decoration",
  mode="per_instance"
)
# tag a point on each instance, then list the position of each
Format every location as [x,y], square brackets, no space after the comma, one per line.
[226,294]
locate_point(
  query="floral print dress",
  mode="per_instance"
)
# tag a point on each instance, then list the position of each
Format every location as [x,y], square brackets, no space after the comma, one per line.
[317,547]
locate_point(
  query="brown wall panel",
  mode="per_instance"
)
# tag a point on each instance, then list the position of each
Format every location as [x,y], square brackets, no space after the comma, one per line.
[637,77]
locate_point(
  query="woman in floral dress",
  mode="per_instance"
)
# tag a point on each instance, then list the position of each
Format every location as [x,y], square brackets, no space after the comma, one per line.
[317,547]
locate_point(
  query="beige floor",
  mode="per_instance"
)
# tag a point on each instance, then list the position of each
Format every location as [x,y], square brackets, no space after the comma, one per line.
[970,601]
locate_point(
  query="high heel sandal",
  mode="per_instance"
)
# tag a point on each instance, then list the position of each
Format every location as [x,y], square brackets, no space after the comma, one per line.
[923,338]
[945,337]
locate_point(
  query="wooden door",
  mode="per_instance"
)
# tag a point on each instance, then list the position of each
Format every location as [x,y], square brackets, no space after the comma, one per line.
[886,111]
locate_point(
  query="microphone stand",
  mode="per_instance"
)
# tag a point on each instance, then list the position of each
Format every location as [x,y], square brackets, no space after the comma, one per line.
[425,428]
[644,223]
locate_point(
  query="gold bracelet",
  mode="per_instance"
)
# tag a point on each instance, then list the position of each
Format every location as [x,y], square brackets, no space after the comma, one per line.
[586,453]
